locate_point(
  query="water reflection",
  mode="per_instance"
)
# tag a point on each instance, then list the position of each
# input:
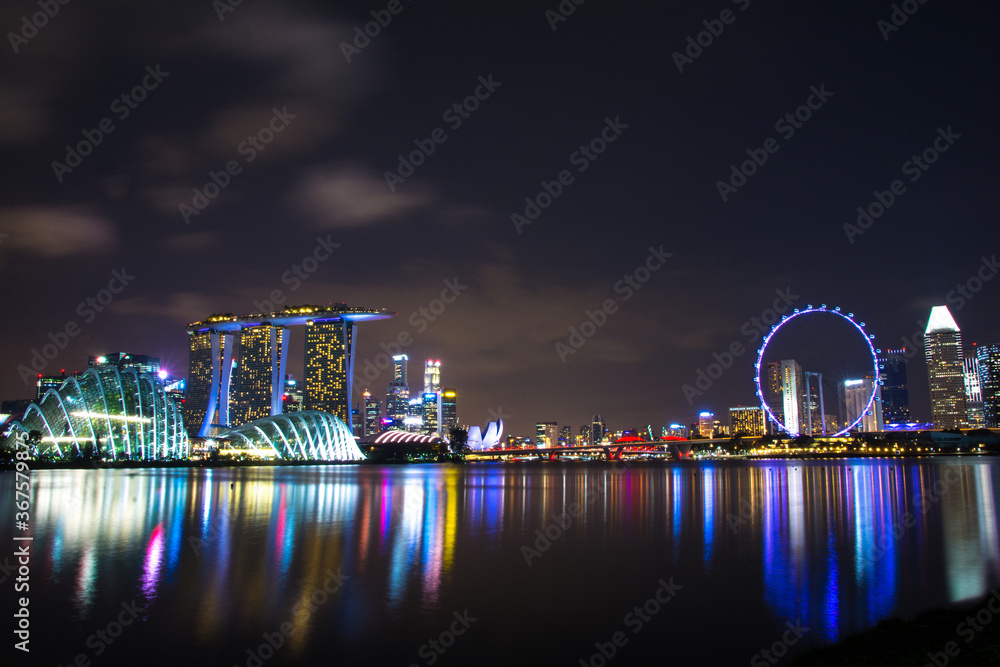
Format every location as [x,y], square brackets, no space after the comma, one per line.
[836,544]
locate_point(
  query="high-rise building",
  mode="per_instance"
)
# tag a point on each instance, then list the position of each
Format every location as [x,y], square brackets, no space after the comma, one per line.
[432,375]
[772,390]
[857,393]
[746,420]
[792,395]
[546,434]
[449,410]
[988,357]
[329,362]
[414,421]
[975,415]
[705,424]
[46,382]
[260,373]
[597,430]
[143,363]
[565,435]
[373,414]
[431,412]
[945,369]
[895,395]
[210,366]
[397,396]
[293,398]
[676,431]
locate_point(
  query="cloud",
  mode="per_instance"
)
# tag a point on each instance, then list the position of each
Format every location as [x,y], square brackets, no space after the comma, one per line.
[345,196]
[56,232]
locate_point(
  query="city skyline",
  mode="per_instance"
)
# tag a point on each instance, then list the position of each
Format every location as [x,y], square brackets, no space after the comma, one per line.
[544,244]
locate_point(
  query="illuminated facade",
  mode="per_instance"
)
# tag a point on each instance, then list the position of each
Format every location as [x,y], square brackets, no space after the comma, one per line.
[210,365]
[974,409]
[431,412]
[110,414]
[857,394]
[792,395]
[945,369]
[432,375]
[746,420]
[397,397]
[373,415]
[449,410]
[895,395]
[988,357]
[260,373]
[309,435]
[329,367]
[705,420]
[546,434]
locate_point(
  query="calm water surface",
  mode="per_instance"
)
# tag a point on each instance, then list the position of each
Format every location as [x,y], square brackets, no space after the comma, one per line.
[541,561]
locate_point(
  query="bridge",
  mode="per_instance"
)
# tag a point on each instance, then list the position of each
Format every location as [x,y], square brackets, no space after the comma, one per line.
[678,449]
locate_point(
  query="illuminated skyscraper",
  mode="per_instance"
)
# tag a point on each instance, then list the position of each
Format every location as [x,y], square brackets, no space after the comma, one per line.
[895,395]
[397,396]
[329,363]
[432,375]
[974,409]
[373,414]
[945,369]
[772,392]
[988,357]
[546,434]
[449,410]
[431,412]
[705,424]
[210,365]
[597,430]
[565,435]
[260,373]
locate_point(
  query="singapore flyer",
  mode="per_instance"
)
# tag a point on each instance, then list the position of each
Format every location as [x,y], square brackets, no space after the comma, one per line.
[809,350]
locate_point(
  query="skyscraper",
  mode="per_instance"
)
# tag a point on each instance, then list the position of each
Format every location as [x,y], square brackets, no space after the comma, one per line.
[432,375]
[260,373]
[449,410]
[705,424]
[546,434]
[988,357]
[895,395]
[772,391]
[792,388]
[597,430]
[975,415]
[210,365]
[431,412]
[565,435]
[945,370]
[397,396]
[329,362]
[373,414]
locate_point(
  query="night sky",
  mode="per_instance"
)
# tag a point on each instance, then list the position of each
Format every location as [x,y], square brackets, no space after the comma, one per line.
[673,123]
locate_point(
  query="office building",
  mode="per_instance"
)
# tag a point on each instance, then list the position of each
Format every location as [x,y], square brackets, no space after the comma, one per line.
[705,424]
[857,393]
[565,435]
[430,410]
[975,415]
[988,358]
[294,398]
[546,434]
[397,396]
[449,410]
[210,366]
[597,430]
[945,369]
[329,362]
[432,375]
[260,373]
[746,421]
[46,382]
[894,393]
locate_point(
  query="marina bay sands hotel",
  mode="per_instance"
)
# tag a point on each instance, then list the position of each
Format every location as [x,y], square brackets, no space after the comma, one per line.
[217,399]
